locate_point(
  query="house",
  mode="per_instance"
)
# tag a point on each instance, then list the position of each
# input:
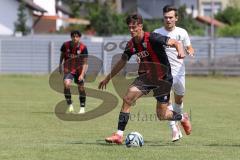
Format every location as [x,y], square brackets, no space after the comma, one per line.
[43,16]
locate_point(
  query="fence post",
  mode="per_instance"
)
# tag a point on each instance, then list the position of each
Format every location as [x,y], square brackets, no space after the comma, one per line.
[103,58]
[211,56]
[50,56]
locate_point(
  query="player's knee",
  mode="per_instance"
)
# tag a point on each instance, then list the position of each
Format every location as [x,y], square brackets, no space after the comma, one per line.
[128,100]
[67,84]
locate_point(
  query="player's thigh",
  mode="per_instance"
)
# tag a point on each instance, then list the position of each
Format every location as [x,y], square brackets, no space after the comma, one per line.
[178,86]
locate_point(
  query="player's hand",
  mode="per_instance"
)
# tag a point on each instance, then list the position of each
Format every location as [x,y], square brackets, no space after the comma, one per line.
[81,78]
[190,53]
[103,84]
[181,55]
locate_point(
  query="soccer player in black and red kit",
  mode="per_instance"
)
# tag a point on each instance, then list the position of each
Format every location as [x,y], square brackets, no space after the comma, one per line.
[154,74]
[74,55]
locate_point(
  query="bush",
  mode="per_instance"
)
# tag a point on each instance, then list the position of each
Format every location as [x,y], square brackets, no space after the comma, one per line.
[231,31]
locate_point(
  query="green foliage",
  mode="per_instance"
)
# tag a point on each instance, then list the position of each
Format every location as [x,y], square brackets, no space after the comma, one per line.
[187,22]
[101,19]
[120,26]
[230,31]
[230,16]
[105,21]
[151,25]
[20,25]
[74,7]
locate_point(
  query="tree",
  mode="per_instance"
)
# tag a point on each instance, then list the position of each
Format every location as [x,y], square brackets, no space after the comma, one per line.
[187,22]
[74,6]
[20,25]
[231,17]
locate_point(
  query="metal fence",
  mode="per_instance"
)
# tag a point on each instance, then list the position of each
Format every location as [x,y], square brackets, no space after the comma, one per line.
[40,54]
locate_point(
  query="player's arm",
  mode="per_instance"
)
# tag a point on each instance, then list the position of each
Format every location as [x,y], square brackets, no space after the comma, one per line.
[178,46]
[117,67]
[63,49]
[159,39]
[84,64]
[190,50]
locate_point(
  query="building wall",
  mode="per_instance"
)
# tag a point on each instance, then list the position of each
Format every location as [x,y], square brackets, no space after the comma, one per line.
[8,15]
[219,5]
[48,5]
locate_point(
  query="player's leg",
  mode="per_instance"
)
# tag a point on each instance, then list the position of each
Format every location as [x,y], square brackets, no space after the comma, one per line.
[134,92]
[82,93]
[163,113]
[82,97]
[67,80]
[179,91]
[178,87]
[175,130]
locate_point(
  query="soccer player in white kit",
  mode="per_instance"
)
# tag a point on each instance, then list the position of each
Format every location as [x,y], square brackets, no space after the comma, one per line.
[170,29]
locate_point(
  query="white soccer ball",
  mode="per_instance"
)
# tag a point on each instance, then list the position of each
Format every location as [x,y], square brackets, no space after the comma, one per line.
[134,139]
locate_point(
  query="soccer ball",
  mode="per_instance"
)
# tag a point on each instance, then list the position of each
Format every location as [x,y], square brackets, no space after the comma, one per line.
[134,139]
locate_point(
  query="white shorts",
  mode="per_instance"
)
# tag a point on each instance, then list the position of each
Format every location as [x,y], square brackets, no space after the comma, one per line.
[178,86]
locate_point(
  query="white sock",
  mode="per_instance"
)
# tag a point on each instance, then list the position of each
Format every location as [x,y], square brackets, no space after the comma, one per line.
[120,133]
[178,108]
[172,124]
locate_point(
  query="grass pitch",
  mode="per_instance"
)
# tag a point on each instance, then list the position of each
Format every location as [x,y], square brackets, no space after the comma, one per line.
[30,130]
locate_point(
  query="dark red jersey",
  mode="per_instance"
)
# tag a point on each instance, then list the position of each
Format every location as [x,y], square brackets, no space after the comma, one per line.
[74,54]
[151,51]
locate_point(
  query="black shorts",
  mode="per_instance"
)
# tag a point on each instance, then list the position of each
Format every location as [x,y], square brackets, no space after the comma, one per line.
[161,88]
[74,77]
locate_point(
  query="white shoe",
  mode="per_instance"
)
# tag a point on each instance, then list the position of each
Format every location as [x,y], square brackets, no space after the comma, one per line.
[176,133]
[70,108]
[82,110]
[179,131]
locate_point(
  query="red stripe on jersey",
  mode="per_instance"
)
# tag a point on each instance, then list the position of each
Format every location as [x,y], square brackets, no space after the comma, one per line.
[72,59]
[156,67]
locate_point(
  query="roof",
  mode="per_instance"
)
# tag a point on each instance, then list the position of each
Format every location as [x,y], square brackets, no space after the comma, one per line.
[33,6]
[64,9]
[209,20]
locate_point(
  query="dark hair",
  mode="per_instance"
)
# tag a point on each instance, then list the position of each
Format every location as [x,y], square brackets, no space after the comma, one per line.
[76,32]
[169,8]
[134,18]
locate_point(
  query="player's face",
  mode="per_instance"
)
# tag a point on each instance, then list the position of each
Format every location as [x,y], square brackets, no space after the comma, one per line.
[135,29]
[170,20]
[75,38]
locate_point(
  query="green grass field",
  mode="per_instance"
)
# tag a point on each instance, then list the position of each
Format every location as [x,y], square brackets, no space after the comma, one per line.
[30,130]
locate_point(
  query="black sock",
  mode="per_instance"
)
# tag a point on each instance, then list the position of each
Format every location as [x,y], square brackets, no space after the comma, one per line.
[67,94]
[176,116]
[82,99]
[123,120]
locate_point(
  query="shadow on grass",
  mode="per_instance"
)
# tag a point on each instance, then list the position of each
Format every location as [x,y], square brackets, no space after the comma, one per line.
[43,112]
[98,142]
[222,145]
[153,144]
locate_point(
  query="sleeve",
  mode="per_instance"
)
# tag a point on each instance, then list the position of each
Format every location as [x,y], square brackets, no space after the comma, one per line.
[85,52]
[63,48]
[186,39]
[128,51]
[158,39]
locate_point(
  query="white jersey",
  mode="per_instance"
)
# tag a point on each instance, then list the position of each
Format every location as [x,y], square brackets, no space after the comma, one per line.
[181,35]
